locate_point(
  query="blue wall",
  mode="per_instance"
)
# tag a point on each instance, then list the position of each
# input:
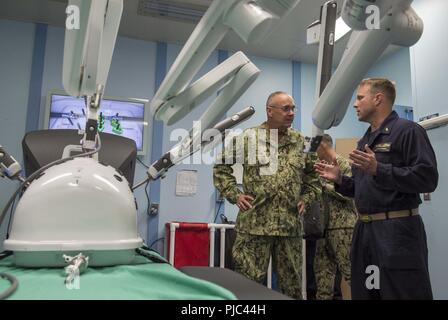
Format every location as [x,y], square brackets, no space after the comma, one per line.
[200,207]
[429,68]
[16,55]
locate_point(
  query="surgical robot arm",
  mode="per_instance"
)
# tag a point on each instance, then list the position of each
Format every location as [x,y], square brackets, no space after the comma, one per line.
[399,25]
[88,53]
[251,20]
[435,122]
[193,143]
[87,56]
[9,166]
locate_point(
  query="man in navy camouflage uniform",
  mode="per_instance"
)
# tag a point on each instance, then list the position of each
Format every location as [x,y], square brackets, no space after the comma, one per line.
[276,188]
[333,251]
[393,163]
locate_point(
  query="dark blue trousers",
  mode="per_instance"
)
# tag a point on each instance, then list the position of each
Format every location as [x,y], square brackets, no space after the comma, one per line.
[398,248]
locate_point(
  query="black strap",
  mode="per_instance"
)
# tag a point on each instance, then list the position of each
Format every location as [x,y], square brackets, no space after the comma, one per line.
[5,254]
[339,228]
[146,252]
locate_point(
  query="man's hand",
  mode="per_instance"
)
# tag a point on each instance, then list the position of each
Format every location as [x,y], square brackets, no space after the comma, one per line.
[330,172]
[301,207]
[365,161]
[243,202]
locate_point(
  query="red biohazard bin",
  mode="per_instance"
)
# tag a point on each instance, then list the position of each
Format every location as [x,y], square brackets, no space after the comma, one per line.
[191,243]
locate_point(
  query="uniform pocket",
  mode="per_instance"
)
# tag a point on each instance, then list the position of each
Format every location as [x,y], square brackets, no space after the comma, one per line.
[389,156]
[404,246]
[383,156]
[407,226]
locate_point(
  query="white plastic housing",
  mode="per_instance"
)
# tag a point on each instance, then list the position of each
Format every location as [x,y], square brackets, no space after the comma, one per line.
[88,50]
[400,25]
[251,20]
[78,206]
[238,66]
[436,122]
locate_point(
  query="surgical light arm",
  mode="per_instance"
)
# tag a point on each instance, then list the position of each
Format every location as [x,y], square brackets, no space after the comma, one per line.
[87,56]
[399,25]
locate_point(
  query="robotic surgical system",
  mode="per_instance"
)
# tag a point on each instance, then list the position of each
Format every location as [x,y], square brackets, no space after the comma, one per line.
[73,231]
[54,236]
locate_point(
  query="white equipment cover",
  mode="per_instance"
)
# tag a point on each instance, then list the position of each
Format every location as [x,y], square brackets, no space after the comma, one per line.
[78,206]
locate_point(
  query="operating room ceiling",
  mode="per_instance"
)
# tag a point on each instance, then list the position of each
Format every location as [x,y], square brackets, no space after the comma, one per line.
[287,41]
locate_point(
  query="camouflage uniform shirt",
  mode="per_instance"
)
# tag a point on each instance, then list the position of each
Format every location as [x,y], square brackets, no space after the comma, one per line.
[276,192]
[341,210]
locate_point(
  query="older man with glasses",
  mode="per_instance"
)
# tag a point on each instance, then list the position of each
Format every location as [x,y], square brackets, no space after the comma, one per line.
[268,222]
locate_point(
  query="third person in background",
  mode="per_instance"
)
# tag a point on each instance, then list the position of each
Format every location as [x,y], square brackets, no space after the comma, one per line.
[333,251]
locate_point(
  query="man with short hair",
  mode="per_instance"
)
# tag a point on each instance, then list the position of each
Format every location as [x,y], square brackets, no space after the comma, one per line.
[393,163]
[275,188]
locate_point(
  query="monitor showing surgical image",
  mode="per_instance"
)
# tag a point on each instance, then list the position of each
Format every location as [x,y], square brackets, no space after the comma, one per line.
[124,117]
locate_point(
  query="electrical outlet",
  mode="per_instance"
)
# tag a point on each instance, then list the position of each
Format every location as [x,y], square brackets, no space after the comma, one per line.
[153,209]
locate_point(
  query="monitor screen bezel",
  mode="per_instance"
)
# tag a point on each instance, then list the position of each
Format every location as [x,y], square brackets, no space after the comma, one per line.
[142,152]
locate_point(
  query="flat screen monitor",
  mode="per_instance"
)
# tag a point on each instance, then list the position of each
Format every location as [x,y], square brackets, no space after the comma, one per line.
[120,116]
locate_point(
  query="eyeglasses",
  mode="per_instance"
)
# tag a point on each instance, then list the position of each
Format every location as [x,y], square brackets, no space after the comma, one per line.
[285,109]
